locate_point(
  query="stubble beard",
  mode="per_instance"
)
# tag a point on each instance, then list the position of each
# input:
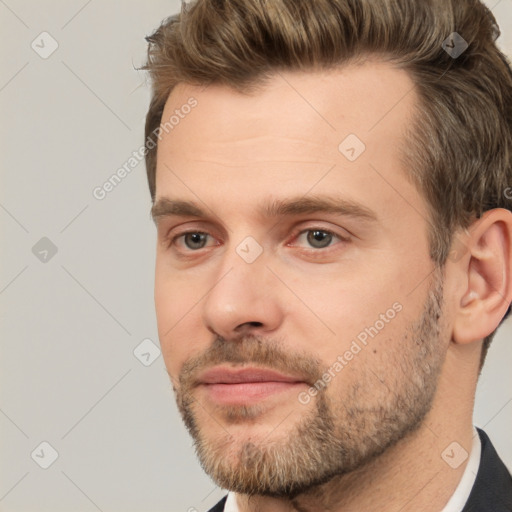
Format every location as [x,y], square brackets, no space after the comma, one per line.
[338,435]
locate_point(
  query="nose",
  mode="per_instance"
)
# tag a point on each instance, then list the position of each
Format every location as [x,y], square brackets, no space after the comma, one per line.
[245,299]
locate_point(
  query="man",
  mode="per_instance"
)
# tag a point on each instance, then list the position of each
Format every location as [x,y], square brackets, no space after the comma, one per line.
[331,189]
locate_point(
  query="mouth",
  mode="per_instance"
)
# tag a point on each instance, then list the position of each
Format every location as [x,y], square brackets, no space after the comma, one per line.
[227,386]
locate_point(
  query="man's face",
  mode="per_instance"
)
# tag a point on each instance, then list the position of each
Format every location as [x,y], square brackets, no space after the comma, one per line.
[342,302]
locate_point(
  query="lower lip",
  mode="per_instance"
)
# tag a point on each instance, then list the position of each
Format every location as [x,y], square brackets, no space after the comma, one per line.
[247,392]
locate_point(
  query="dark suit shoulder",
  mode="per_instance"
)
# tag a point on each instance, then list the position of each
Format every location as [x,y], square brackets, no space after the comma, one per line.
[220,506]
[492,490]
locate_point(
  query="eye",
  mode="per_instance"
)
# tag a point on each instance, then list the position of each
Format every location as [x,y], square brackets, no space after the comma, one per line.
[193,240]
[319,238]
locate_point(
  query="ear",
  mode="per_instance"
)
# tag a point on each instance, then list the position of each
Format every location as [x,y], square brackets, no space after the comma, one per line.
[487,273]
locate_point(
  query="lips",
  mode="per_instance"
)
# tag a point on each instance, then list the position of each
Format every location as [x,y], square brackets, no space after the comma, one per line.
[220,375]
[228,386]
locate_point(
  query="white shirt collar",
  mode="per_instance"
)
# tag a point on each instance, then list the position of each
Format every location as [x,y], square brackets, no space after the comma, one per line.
[459,497]
[463,490]
[230,505]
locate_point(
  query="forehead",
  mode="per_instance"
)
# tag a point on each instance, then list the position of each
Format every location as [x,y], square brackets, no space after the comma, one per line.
[289,134]
[300,116]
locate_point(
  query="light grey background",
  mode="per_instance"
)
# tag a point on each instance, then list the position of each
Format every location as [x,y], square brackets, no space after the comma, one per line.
[70,325]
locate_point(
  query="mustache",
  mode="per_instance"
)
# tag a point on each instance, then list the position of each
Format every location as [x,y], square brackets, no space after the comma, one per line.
[250,350]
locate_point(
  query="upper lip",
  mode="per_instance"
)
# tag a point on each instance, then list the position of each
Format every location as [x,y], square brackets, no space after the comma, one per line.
[224,375]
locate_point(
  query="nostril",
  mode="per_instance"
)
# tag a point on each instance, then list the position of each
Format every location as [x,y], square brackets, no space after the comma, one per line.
[249,324]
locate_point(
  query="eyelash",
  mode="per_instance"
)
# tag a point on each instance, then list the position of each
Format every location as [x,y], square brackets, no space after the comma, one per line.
[172,240]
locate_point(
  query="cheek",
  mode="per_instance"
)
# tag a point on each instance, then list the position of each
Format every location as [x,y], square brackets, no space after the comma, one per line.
[179,344]
[346,303]
[175,296]
[359,318]
[177,320]
[365,369]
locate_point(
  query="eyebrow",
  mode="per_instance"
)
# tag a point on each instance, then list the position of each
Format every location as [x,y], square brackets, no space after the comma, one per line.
[165,207]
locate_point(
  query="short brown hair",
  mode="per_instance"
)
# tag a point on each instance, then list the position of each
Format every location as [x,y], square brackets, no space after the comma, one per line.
[459,148]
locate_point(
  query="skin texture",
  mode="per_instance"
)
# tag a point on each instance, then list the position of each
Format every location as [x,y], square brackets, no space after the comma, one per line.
[300,305]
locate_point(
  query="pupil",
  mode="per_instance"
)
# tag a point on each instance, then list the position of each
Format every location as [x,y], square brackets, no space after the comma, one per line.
[196,238]
[318,238]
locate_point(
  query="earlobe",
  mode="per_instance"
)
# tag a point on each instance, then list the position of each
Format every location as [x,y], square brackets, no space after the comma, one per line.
[488,276]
